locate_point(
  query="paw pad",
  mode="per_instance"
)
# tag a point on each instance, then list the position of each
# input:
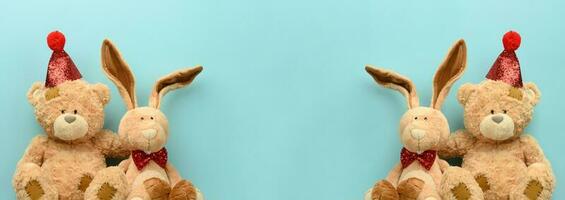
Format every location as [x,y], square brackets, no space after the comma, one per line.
[461,192]
[34,190]
[533,190]
[84,182]
[483,182]
[106,192]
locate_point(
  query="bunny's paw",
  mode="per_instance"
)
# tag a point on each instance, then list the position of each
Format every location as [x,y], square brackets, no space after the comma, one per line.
[384,190]
[157,188]
[410,188]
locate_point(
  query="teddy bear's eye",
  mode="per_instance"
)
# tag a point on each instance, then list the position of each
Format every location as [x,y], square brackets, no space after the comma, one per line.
[75,112]
[425,118]
[142,118]
[492,112]
[62,111]
[416,118]
[152,118]
[505,111]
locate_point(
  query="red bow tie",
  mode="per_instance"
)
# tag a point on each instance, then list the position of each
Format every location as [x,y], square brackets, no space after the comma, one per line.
[426,159]
[141,159]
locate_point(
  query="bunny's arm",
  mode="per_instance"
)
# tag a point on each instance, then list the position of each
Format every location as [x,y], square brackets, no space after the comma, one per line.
[457,144]
[173,174]
[394,175]
[443,165]
[109,144]
[124,165]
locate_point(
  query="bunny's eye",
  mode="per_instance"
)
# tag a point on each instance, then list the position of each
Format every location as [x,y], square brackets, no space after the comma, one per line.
[152,118]
[416,118]
[425,118]
[142,118]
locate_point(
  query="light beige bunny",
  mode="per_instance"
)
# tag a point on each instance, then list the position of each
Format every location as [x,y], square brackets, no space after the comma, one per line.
[422,130]
[144,130]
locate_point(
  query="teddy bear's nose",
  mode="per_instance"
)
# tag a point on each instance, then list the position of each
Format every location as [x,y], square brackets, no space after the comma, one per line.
[497,119]
[70,118]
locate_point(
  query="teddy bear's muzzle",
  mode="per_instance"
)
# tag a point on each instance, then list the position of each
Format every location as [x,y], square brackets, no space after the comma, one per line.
[497,126]
[70,127]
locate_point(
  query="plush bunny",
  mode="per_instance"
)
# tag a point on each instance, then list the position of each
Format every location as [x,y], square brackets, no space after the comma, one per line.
[422,130]
[144,130]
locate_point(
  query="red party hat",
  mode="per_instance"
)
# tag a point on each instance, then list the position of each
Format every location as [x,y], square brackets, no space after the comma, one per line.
[61,67]
[507,67]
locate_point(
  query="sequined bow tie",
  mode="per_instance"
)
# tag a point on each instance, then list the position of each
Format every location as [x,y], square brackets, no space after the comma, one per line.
[141,159]
[426,159]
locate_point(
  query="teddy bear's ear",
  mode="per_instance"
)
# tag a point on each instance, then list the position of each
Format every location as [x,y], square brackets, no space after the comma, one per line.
[35,93]
[532,93]
[465,92]
[170,82]
[102,91]
[393,80]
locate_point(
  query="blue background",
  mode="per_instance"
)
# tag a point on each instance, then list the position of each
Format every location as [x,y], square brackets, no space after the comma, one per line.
[284,108]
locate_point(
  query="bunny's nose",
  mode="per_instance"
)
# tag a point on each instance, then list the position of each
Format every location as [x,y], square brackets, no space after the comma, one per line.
[149,133]
[417,134]
[70,118]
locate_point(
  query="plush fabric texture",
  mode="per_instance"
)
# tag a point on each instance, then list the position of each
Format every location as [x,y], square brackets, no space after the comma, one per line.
[499,161]
[422,131]
[56,167]
[145,130]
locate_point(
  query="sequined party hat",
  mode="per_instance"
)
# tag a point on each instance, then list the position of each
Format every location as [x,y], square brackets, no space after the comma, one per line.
[506,68]
[61,67]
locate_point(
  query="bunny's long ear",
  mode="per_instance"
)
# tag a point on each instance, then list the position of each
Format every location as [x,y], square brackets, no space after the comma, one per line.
[393,80]
[170,82]
[448,72]
[118,71]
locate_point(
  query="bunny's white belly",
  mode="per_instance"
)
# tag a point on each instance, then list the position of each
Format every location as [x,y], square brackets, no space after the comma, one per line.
[152,170]
[417,171]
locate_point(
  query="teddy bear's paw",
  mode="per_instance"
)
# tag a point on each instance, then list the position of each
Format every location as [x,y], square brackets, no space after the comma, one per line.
[106,192]
[461,192]
[533,190]
[410,189]
[34,190]
[157,188]
[183,190]
[483,182]
[384,190]
[84,182]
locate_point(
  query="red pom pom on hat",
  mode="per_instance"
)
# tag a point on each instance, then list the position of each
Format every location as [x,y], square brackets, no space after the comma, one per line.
[56,41]
[506,67]
[511,41]
[61,67]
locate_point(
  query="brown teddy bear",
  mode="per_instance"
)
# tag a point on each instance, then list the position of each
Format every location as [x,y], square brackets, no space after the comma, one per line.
[68,162]
[499,161]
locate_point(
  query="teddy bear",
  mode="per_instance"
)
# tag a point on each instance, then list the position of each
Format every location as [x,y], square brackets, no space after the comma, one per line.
[68,161]
[499,160]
